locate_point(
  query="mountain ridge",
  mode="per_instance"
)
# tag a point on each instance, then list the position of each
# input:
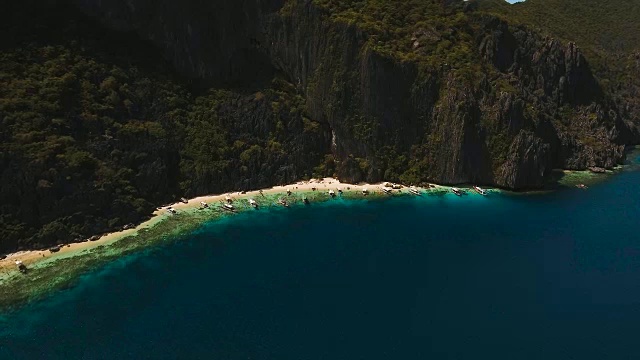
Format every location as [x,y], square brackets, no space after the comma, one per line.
[453,94]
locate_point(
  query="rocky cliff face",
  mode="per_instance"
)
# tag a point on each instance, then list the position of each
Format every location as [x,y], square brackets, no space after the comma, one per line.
[534,106]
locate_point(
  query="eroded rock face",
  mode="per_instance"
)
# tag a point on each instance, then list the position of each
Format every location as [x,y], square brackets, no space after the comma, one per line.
[538,107]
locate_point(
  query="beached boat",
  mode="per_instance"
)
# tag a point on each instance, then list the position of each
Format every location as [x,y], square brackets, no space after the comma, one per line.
[283,202]
[480,190]
[386,190]
[228,207]
[253,203]
[22,267]
[332,193]
[228,199]
[204,204]
[172,210]
[365,191]
[288,191]
[184,200]
[456,191]
[415,191]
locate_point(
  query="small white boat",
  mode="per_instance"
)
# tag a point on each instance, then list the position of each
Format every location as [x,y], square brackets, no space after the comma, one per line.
[386,190]
[228,199]
[415,191]
[480,190]
[22,267]
[172,210]
[456,191]
[228,207]
[204,204]
[365,191]
[253,203]
[332,193]
[283,202]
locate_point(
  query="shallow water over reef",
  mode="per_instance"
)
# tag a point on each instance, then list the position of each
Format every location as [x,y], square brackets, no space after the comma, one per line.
[554,276]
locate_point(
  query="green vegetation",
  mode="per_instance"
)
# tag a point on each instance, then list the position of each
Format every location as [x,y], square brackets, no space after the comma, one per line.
[96,132]
[598,26]
[608,32]
[420,31]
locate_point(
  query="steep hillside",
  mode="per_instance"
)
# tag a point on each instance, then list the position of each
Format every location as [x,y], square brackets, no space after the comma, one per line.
[96,132]
[97,129]
[607,31]
[605,27]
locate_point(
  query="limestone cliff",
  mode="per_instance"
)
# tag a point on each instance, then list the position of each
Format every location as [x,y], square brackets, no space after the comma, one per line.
[531,105]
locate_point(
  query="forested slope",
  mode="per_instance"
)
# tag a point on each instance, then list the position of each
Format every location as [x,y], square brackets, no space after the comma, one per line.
[110,109]
[96,131]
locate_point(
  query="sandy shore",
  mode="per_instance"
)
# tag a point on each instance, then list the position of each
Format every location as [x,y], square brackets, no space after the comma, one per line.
[33,258]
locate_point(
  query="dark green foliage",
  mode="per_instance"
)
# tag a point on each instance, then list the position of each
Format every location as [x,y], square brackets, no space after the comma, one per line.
[96,132]
[421,31]
[608,32]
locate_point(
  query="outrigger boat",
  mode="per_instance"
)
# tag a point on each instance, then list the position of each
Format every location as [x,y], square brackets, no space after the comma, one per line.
[204,204]
[456,191]
[480,190]
[228,207]
[415,191]
[332,193]
[22,267]
[283,202]
[386,190]
[253,203]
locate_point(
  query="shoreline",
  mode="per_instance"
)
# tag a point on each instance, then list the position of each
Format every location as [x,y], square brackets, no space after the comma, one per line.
[51,271]
[36,258]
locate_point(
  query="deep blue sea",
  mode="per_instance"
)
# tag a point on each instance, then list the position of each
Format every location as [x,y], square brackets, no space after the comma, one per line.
[546,276]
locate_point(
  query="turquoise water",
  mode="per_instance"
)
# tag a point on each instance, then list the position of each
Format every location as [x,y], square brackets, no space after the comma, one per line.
[547,276]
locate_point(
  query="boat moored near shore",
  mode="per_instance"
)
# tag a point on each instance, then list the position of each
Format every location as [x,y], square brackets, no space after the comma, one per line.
[253,203]
[480,190]
[456,191]
[21,266]
[283,202]
[415,191]
[228,207]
